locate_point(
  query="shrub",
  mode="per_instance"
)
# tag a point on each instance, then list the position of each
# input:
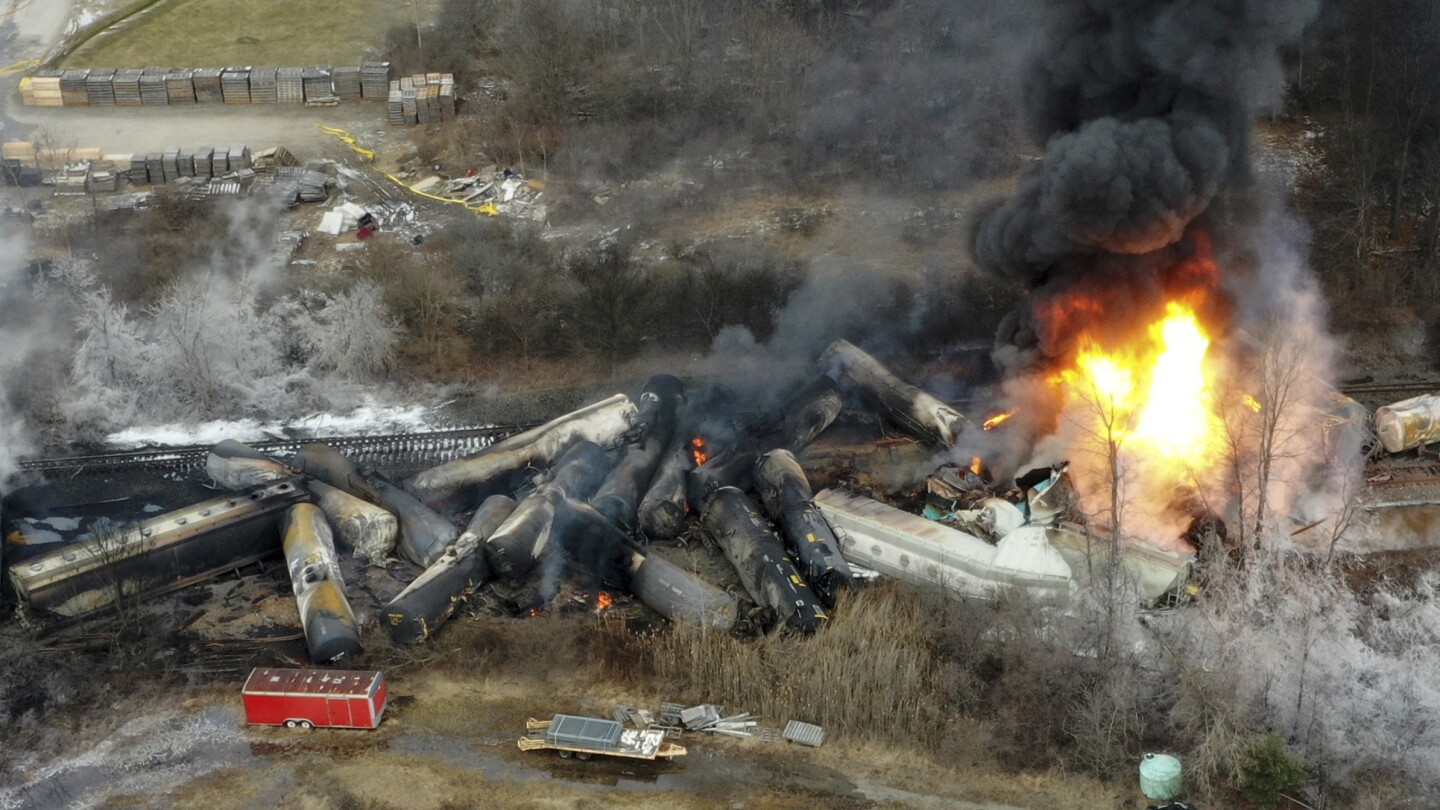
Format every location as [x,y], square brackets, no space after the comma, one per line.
[1268,771]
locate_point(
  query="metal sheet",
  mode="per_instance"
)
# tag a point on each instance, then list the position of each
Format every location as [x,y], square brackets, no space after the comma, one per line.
[804,733]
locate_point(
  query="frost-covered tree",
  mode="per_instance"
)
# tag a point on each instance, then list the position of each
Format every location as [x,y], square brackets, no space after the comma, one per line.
[351,333]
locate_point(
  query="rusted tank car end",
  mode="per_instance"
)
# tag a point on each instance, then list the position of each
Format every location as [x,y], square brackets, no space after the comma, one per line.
[331,631]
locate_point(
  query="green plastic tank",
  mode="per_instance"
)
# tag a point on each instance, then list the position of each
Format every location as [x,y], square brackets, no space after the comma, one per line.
[1160,777]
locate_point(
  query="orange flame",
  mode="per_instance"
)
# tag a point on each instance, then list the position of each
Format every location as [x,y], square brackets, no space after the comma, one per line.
[603,601]
[697,449]
[977,466]
[998,419]
[1148,412]
[1157,394]
[534,613]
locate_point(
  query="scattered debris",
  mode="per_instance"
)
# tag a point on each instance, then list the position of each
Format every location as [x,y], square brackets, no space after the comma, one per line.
[805,733]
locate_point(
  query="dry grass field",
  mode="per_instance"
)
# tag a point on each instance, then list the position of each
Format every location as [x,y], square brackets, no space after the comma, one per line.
[218,33]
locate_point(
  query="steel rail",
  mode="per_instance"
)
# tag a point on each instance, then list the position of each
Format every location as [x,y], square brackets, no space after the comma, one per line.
[436,446]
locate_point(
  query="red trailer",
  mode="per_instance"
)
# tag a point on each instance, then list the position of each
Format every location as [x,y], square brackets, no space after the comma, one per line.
[306,698]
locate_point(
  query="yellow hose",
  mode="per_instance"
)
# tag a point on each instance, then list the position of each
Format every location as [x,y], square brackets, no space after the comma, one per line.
[18,67]
[368,154]
[487,209]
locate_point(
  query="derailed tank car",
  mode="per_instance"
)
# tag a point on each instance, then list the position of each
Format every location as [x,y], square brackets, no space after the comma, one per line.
[790,502]
[769,576]
[331,631]
[159,554]
[416,611]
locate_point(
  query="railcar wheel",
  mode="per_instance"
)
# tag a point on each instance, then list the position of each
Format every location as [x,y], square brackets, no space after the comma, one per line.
[291,724]
[582,754]
[306,724]
[564,754]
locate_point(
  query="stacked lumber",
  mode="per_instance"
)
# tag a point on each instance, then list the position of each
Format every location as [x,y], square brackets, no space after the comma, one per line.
[100,87]
[317,83]
[235,85]
[264,85]
[72,88]
[127,87]
[203,159]
[422,98]
[290,86]
[395,104]
[375,80]
[42,89]
[23,151]
[347,83]
[207,85]
[154,92]
[239,157]
[180,86]
[137,174]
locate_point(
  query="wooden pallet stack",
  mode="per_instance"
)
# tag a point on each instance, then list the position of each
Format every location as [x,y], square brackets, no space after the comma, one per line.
[317,82]
[375,81]
[100,87]
[207,85]
[154,91]
[290,85]
[347,83]
[170,164]
[72,88]
[447,97]
[127,87]
[264,85]
[395,104]
[235,85]
[220,161]
[137,174]
[180,86]
[155,167]
[239,157]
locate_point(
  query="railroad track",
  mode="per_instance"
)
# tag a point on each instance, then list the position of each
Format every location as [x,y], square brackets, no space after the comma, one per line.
[386,450]
[1388,390]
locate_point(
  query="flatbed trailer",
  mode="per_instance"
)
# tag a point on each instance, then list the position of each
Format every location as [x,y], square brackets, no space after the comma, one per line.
[584,737]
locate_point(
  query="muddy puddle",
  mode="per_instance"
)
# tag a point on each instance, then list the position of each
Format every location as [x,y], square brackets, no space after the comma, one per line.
[148,756]
[700,772]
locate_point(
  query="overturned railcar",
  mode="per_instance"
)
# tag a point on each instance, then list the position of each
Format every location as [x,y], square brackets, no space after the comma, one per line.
[424,533]
[159,554]
[662,511]
[790,502]
[915,410]
[331,631]
[769,576]
[676,593]
[428,601]
[369,529]
[606,423]
[517,545]
[618,498]
[235,465]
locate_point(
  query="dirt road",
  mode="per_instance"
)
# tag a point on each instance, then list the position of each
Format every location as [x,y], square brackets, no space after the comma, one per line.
[205,754]
[152,129]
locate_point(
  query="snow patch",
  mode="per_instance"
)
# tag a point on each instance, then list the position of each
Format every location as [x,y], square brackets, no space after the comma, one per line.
[378,419]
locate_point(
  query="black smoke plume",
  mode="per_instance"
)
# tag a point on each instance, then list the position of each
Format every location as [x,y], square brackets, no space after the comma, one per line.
[1144,108]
